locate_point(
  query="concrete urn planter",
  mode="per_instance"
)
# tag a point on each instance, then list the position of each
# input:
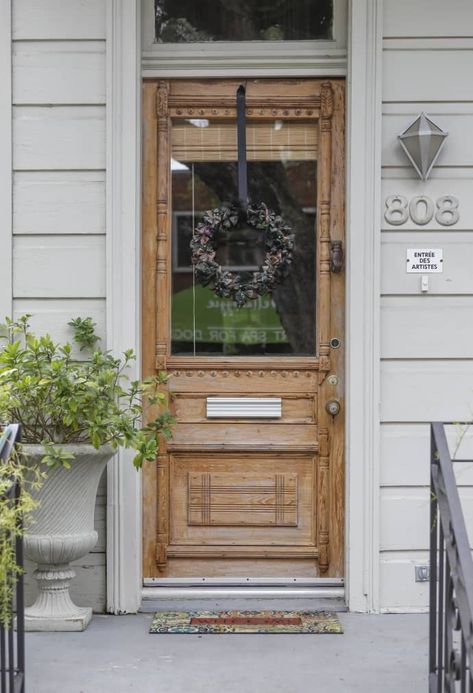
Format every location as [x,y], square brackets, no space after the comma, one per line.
[62,531]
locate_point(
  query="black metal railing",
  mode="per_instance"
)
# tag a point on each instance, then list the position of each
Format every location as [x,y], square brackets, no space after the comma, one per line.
[451,577]
[12,645]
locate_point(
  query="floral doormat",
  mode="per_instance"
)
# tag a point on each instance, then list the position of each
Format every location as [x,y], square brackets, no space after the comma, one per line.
[216,622]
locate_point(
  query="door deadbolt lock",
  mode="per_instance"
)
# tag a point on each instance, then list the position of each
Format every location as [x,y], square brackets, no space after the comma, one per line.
[333,407]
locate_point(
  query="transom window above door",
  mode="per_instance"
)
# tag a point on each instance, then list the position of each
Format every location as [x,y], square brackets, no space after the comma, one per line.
[188,21]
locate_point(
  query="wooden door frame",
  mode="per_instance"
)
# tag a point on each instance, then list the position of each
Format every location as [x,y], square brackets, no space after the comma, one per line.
[327,106]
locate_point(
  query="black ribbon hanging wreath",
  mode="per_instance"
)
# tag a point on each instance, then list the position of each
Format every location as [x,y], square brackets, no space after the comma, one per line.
[278,237]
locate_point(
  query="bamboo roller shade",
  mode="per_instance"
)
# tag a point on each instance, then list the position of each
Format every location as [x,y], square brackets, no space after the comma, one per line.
[265,141]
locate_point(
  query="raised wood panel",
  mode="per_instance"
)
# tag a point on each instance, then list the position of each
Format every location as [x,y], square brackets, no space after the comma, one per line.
[434,188]
[47,202]
[59,72]
[284,98]
[59,19]
[456,278]
[240,567]
[410,327]
[61,137]
[244,436]
[426,75]
[405,517]
[59,267]
[52,316]
[426,390]
[399,592]
[405,454]
[249,499]
[427,18]
[458,149]
[239,472]
[241,380]
[193,409]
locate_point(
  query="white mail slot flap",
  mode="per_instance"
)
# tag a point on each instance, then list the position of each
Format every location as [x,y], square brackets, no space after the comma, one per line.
[243,407]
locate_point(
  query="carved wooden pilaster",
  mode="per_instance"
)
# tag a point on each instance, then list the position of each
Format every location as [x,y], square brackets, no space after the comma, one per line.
[162,539]
[324,195]
[162,213]
[323,502]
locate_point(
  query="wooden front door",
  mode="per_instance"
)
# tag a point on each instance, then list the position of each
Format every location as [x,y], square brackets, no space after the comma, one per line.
[252,483]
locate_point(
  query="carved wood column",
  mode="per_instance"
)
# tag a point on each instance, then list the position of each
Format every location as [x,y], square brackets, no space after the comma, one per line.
[324,198]
[162,299]
[323,501]
[324,319]
[162,211]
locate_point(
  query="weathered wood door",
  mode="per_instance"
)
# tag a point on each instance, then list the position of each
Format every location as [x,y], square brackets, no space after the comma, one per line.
[252,483]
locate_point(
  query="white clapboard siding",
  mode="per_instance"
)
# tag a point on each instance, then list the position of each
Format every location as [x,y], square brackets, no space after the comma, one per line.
[427,18]
[458,148]
[58,137]
[403,173]
[59,72]
[434,189]
[59,266]
[52,315]
[62,202]
[100,516]
[405,454]
[457,275]
[59,19]
[428,71]
[426,390]
[398,589]
[405,517]
[427,326]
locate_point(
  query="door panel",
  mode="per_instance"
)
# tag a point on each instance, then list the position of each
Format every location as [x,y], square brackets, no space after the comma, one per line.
[261,493]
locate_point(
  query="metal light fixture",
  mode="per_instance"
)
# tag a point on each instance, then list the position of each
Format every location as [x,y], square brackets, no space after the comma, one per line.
[422,142]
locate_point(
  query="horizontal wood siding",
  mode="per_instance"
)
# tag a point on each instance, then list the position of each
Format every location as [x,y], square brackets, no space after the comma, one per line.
[426,339]
[59,19]
[59,266]
[59,202]
[61,137]
[419,18]
[59,72]
[59,140]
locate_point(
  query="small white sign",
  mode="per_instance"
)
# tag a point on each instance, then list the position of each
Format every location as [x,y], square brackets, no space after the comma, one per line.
[424,260]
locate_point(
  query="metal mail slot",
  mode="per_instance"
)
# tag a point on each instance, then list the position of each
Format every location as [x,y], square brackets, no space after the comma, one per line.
[243,407]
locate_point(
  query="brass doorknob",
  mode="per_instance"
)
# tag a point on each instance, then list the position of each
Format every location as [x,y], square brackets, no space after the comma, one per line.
[333,407]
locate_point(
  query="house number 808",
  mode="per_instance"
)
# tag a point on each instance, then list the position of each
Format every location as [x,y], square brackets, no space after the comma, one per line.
[421,210]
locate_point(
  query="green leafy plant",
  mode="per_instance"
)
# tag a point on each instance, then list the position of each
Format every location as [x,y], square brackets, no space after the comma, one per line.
[13,516]
[59,400]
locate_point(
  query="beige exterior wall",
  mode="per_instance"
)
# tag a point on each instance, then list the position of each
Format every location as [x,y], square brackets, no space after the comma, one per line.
[426,339]
[59,159]
[59,240]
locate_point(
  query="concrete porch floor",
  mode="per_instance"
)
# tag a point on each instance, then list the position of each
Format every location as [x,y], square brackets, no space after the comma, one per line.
[376,654]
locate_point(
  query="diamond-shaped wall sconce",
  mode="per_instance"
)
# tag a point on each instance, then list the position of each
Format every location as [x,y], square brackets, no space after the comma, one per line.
[422,142]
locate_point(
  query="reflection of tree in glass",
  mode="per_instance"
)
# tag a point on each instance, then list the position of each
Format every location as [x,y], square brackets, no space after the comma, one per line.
[268,182]
[189,21]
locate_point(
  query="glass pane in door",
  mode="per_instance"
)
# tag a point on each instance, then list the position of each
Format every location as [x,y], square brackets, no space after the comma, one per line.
[282,173]
[189,21]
